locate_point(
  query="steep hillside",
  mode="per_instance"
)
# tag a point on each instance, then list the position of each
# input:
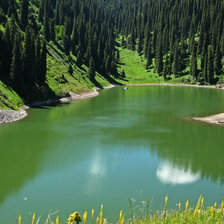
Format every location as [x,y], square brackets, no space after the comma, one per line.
[50,48]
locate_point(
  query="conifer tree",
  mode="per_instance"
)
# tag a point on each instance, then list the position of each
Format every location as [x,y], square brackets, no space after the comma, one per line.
[218,61]
[91,71]
[194,63]
[46,28]
[24,12]
[148,56]
[43,63]
[176,61]
[16,74]
[38,59]
[159,58]
[70,69]
[79,61]
[205,69]
[27,58]
[210,69]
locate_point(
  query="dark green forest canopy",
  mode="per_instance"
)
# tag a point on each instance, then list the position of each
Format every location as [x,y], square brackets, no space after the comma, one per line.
[177,38]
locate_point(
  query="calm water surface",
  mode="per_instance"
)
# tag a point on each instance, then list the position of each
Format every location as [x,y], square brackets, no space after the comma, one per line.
[136,143]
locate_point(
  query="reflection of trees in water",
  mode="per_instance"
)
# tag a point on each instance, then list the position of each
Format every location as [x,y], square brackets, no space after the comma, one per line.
[153,125]
[184,143]
[21,148]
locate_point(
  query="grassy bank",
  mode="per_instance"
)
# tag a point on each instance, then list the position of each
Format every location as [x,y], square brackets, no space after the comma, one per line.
[184,214]
[9,99]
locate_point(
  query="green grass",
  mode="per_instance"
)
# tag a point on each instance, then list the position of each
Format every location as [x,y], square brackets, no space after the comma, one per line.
[9,99]
[134,68]
[182,215]
[134,64]
[58,77]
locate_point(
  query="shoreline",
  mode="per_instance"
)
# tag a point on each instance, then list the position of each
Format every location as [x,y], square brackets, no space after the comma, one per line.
[217,119]
[180,85]
[9,116]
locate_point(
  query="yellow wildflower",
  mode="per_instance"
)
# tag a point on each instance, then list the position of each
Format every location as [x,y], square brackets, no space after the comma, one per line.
[85,217]
[33,219]
[20,218]
[57,219]
[186,206]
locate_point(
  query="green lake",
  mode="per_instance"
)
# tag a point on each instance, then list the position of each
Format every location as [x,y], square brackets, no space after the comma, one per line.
[133,144]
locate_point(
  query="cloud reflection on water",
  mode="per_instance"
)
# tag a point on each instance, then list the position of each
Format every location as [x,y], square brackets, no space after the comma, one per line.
[171,174]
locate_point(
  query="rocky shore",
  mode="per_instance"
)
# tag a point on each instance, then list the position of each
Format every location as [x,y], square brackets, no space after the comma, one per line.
[8,116]
[214,119]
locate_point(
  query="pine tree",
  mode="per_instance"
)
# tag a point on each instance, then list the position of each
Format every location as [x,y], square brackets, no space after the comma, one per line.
[27,59]
[176,61]
[46,28]
[79,61]
[218,61]
[194,63]
[210,68]
[205,69]
[167,68]
[24,12]
[70,69]
[43,63]
[67,44]
[38,59]
[52,31]
[159,58]
[91,71]
[148,56]
[16,74]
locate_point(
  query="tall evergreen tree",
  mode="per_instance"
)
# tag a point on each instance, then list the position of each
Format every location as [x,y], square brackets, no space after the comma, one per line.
[16,74]
[91,71]
[210,68]
[24,12]
[194,63]
[218,61]
[38,59]
[176,61]
[159,58]
[43,63]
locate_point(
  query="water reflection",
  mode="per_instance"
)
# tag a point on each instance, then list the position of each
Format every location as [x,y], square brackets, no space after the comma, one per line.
[170,174]
[105,149]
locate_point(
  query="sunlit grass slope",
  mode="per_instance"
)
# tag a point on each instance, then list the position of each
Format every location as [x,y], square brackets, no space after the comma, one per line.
[9,98]
[134,67]
[60,80]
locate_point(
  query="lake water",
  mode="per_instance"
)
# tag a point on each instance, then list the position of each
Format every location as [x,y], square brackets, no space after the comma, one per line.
[124,144]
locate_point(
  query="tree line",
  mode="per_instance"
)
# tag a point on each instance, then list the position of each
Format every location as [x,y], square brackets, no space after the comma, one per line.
[82,27]
[177,37]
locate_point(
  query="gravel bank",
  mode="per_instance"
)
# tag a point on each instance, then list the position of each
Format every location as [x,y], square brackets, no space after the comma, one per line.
[8,116]
[214,119]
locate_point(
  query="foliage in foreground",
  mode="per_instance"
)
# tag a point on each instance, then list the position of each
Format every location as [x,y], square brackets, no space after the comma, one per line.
[199,214]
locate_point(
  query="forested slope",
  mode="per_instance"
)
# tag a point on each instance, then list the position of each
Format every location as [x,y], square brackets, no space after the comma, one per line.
[177,37]
[51,47]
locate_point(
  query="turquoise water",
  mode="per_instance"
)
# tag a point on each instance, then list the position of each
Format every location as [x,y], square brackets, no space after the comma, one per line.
[124,144]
